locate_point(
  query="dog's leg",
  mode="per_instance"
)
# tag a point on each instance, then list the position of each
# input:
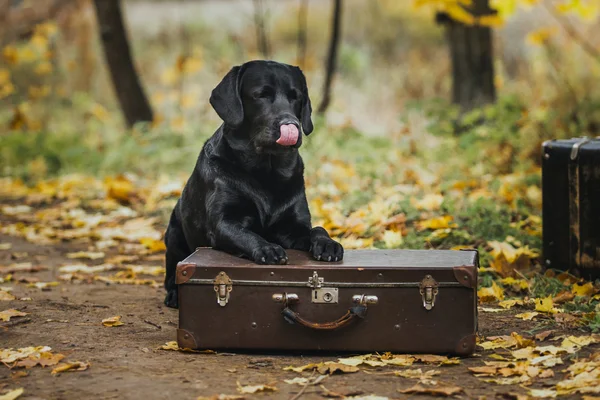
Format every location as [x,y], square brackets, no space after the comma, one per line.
[177,250]
[295,232]
[236,238]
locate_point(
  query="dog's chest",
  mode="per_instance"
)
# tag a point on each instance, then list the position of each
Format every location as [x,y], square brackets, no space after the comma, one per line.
[274,199]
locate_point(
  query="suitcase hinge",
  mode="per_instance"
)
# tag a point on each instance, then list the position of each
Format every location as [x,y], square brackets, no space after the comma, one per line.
[429,290]
[223,287]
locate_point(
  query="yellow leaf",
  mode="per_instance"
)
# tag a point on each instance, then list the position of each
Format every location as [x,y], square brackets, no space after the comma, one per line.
[442,222]
[43,68]
[416,373]
[251,389]
[541,36]
[153,245]
[70,366]
[112,321]
[302,368]
[583,290]
[11,55]
[489,294]
[392,239]
[86,254]
[508,304]
[520,284]
[430,202]
[12,395]
[119,188]
[544,305]
[6,315]
[332,367]
[5,296]
[435,390]
[528,316]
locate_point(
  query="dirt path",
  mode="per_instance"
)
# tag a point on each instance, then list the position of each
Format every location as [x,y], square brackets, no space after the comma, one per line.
[125,361]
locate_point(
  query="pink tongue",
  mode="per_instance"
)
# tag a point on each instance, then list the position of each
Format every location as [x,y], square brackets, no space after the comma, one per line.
[288,135]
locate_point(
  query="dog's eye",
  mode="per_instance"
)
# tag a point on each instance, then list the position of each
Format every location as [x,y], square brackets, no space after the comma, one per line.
[293,95]
[264,93]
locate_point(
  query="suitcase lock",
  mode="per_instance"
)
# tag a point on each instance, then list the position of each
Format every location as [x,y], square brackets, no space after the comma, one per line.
[319,294]
[429,290]
[222,286]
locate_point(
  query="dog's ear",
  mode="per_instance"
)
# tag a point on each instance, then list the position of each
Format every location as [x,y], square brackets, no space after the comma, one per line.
[226,98]
[305,117]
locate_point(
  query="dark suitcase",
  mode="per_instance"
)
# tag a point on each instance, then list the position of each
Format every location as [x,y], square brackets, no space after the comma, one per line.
[415,301]
[571,206]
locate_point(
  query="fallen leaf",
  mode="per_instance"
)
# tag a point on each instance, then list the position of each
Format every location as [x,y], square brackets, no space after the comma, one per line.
[86,254]
[331,368]
[492,310]
[528,316]
[433,390]
[583,290]
[547,361]
[45,359]
[5,246]
[221,397]
[70,366]
[543,393]
[173,346]
[43,285]
[508,304]
[112,321]
[545,305]
[435,359]
[544,335]
[170,346]
[416,373]
[6,315]
[515,380]
[153,245]
[5,296]
[9,356]
[303,367]
[86,269]
[489,294]
[484,370]
[306,381]
[251,389]
[563,297]
[12,395]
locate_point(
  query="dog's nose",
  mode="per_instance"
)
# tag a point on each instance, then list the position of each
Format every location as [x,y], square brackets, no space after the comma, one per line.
[290,121]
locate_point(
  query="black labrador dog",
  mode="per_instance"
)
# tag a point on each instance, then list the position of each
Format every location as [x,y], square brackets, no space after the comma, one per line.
[246,193]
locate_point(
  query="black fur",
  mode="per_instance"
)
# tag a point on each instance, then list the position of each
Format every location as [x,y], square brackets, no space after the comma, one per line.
[246,194]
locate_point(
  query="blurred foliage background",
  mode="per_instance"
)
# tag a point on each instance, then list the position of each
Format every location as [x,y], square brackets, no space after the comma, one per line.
[392,162]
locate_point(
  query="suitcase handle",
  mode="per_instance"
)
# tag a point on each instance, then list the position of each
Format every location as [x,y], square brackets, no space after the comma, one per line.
[358,311]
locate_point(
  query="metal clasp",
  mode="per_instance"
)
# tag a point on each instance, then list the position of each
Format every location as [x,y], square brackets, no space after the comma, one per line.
[223,287]
[319,294]
[315,281]
[429,290]
[365,299]
[285,298]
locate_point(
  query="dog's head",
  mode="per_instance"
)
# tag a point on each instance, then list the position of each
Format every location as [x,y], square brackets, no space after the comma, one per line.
[266,101]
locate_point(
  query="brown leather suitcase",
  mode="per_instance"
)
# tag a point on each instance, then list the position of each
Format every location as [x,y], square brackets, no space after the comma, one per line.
[410,301]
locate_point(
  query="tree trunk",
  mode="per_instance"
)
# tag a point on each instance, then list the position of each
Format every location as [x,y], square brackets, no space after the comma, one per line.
[302,22]
[332,55]
[261,30]
[130,93]
[472,60]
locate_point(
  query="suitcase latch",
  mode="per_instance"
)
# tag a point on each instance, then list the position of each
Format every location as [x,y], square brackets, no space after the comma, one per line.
[223,286]
[321,295]
[429,289]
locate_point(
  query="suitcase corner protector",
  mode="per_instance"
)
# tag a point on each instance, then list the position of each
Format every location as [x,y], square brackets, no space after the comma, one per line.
[466,345]
[186,339]
[184,272]
[466,276]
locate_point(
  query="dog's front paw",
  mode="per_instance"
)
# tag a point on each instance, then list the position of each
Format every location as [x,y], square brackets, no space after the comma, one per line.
[326,249]
[270,254]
